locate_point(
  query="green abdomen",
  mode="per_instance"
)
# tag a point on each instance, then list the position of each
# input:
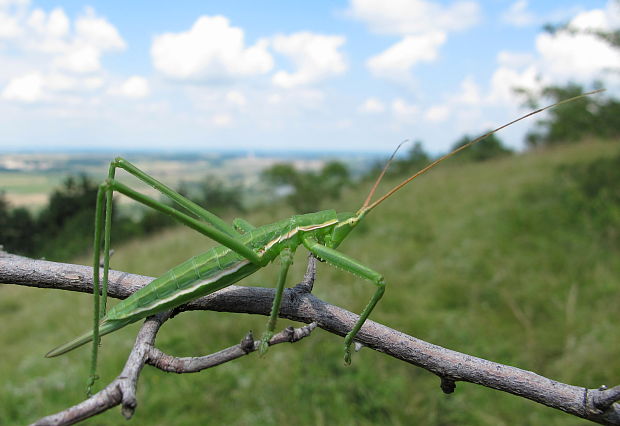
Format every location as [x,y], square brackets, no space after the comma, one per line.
[196,277]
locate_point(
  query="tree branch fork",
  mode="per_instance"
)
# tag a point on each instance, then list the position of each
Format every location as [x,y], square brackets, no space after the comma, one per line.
[600,405]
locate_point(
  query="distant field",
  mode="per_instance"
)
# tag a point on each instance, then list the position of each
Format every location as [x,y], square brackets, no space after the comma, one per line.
[472,263]
[28,189]
[28,179]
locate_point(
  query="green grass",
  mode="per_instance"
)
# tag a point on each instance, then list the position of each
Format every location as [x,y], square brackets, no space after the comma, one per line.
[470,265]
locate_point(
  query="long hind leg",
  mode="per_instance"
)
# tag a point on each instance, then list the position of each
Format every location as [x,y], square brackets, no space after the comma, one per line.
[216,229]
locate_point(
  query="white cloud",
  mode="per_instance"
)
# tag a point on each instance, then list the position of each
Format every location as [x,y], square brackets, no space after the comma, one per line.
[469,94]
[10,14]
[517,14]
[236,98]
[97,32]
[9,3]
[274,99]
[613,13]
[28,88]
[437,113]
[344,124]
[38,87]
[372,106]
[561,57]
[424,26]
[54,25]
[59,82]
[296,98]
[92,83]
[500,95]
[80,59]
[397,61]
[414,16]
[505,80]
[210,50]
[135,87]
[469,97]
[596,19]
[82,52]
[9,27]
[221,120]
[79,51]
[581,56]
[315,56]
[404,110]
[53,59]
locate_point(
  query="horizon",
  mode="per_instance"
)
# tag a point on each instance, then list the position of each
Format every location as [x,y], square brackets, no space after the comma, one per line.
[273,152]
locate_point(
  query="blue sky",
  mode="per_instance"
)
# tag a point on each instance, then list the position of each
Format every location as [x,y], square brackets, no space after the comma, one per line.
[358,75]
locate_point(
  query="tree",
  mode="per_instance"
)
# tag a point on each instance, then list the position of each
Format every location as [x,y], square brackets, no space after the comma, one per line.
[66,224]
[304,191]
[572,122]
[16,228]
[214,194]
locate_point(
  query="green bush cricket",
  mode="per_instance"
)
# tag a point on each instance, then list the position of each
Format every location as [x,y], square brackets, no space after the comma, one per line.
[244,249]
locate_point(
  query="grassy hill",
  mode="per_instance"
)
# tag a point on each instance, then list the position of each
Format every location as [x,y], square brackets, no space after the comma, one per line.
[480,258]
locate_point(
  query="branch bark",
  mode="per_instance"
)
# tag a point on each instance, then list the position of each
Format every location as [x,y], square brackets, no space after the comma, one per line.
[298,304]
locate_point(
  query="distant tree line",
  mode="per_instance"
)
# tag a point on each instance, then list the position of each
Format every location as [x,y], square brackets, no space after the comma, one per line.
[64,228]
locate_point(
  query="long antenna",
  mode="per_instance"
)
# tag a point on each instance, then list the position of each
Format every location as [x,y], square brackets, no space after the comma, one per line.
[366,207]
[387,165]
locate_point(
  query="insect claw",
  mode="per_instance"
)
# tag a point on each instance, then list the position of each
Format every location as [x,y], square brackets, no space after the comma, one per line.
[89,386]
[347,355]
[264,343]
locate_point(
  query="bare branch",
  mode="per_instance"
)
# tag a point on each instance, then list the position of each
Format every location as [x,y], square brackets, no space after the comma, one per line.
[598,405]
[173,364]
[122,390]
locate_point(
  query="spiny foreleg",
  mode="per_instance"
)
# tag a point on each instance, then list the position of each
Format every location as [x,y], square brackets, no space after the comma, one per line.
[342,261]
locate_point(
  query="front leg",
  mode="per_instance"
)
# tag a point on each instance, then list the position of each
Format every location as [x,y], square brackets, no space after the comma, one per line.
[286,259]
[344,262]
